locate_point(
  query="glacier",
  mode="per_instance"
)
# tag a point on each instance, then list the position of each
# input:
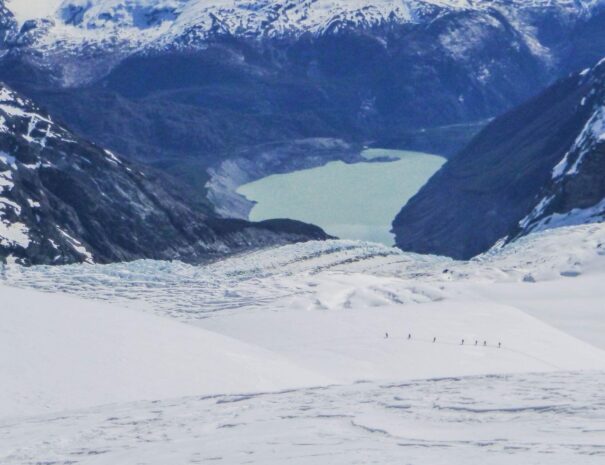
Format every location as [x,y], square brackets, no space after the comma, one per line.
[282,356]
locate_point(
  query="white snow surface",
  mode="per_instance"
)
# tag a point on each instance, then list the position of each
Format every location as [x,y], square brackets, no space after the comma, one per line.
[12,233]
[32,9]
[489,420]
[593,214]
[60,352]
[280,356]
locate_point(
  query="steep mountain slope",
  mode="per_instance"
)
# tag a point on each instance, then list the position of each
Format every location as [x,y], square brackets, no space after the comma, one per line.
[415,74]
[538,166]
[63,200]
[576,192]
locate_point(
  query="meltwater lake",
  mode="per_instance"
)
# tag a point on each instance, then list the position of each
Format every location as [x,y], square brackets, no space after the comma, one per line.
[350,201]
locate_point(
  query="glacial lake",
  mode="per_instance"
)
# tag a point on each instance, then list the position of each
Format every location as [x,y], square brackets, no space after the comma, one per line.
[350,201]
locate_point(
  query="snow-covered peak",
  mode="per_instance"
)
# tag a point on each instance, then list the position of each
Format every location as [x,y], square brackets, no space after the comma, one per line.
[63,33]
[142,13]
[271,16]
[163,22]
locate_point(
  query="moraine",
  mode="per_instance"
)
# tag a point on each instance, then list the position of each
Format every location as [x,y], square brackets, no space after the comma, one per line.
[350,201]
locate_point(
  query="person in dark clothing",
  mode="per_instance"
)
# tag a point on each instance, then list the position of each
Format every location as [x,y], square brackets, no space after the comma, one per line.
[462,342]
[386,335]
[434,340]
[409,337]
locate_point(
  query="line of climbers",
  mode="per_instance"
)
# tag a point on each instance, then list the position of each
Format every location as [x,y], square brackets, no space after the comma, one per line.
[386,336]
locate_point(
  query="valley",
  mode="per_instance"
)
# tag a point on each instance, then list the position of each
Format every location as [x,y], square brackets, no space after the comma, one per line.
[422,75]
[302,232]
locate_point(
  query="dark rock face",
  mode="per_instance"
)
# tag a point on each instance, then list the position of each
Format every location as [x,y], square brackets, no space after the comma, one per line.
[506,182]
[64,199]
[575,193]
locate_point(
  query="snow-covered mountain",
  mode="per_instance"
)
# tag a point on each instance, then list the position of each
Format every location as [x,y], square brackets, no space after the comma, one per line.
[247,76]
[64,199]
[414,74]
[126,26]
[167,21]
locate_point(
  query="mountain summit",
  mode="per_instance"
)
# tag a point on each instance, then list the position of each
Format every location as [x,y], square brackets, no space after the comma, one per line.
[135,25]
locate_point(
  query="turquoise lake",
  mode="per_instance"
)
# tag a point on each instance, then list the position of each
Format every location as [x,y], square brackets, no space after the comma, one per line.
[350,201]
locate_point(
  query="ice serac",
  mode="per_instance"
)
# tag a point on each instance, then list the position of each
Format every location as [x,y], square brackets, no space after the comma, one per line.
[539,166]
[64,199]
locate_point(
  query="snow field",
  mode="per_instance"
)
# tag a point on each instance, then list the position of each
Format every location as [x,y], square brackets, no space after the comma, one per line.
[283,358]
[59,353]
[530,419]
[347,342]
